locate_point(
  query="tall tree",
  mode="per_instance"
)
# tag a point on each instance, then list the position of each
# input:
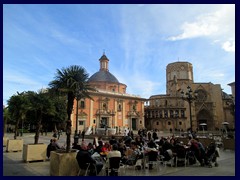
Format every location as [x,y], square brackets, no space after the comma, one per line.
[73,81]
[18,105]
[41,104]
[6,118]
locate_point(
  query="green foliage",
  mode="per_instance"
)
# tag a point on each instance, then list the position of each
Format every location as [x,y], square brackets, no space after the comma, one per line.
[24,130]
[18,105]
[72,81]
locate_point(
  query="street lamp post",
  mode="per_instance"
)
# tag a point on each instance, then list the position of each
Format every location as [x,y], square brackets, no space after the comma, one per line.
[189,97]
[76,137]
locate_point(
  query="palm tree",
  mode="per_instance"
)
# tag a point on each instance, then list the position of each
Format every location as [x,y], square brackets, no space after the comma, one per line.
[18,106]
[72,81]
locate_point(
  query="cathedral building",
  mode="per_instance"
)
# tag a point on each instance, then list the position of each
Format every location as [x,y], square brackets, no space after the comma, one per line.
[208,105]
[110,106]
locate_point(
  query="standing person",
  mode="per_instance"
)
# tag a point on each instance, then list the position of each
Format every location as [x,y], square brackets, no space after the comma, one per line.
[59,134]
[50,148]
[83,134]
[131,134]
[149,136]
[55,134]
[155,136]
[106,128]
[79,133]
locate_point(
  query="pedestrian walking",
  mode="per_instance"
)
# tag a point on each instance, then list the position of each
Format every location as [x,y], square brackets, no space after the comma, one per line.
[79,133]
[55,134]
[83,134]
[59,134]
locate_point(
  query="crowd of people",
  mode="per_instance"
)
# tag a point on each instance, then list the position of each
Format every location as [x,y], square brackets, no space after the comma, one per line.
[145,146]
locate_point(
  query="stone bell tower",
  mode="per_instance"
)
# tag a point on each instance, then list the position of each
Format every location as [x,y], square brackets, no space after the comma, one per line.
[179,75]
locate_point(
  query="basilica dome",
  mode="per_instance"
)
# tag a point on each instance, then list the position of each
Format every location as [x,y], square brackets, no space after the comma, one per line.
[103,75]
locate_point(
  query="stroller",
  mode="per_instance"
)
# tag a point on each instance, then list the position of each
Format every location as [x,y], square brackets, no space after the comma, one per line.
[211,155]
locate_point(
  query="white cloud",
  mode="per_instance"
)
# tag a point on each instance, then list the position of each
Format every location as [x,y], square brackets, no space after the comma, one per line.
[229,46]
[216,25]
[202,27]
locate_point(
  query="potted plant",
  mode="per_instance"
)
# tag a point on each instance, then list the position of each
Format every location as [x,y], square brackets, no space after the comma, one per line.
[6,117]
[71,81]
[17,108]
[39,104]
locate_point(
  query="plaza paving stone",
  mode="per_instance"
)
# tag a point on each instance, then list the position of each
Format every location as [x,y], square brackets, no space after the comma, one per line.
[13,164]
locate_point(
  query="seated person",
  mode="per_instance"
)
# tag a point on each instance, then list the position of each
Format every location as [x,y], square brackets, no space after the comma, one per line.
[76,146]
[166,150]
[111,154]
[106,148]
[91,149]
[99,147]
[112,140]
[55,144]
[151,152]
[83,157]
[132,158]
[121,147]
[52,146]
[139,141]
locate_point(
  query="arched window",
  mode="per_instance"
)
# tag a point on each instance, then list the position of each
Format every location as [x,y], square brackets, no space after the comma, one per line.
[165,113]
[176,113]
[182,113]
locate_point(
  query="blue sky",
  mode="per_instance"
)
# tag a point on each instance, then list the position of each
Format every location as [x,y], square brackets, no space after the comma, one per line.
[138,39]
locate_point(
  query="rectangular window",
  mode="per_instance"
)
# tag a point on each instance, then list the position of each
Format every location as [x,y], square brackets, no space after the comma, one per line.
[82,104]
